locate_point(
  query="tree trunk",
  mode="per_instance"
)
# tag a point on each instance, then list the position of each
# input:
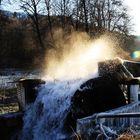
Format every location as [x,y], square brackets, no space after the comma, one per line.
[86,16]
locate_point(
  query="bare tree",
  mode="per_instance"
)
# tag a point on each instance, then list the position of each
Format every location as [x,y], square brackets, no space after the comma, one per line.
[85,14]
[48,8]
[64,11]
[76,14]
[109,14]
[82,13]
[32,9]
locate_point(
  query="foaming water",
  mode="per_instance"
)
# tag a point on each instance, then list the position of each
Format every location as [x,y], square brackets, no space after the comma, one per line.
[75,57]
[44,119]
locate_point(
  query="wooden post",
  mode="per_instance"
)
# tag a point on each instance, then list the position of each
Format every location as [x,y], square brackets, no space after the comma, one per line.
[27,92]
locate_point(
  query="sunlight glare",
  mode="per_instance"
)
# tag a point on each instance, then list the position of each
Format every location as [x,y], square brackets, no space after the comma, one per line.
[81,60]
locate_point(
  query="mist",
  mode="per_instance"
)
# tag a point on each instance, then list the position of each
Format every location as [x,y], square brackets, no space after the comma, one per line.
[76,55]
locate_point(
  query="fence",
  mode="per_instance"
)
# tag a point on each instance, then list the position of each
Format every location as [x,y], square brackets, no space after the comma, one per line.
[119,118]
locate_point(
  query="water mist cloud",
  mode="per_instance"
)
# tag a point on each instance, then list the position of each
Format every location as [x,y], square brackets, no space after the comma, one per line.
[76,55]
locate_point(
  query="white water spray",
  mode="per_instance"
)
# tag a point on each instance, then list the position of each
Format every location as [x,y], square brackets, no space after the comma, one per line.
[45,118]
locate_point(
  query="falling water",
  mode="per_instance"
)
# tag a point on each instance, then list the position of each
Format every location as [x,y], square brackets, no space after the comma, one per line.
[44,119]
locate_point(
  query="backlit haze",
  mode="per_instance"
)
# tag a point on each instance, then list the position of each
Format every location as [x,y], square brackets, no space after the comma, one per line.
[77,56]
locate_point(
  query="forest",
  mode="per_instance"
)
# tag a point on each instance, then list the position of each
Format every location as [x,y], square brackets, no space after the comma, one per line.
[26,36]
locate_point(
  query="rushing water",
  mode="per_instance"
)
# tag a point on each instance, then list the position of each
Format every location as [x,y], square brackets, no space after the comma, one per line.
[44,119]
